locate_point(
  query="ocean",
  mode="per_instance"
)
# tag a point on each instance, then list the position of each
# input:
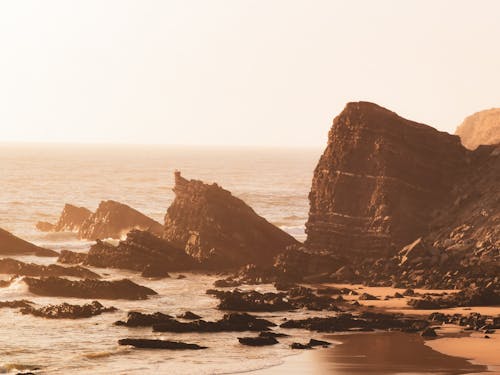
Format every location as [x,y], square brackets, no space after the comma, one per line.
[36,182]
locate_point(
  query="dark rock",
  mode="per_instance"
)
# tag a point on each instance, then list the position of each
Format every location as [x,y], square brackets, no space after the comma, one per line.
[218,229]
[12,245]
[467,297]
[138,319]
[88,288]
[367,297]
[398,295]
[314,342]
[311,344]
[257,341]
[230,322]
[159,344]
[113,220]
[252,301]
[226,283]
[72,257]
[140,251]
[188,315]
[16,267]
[16,304]
[429,332]
[181,277]
[272,334]
[67,311]
[297,345]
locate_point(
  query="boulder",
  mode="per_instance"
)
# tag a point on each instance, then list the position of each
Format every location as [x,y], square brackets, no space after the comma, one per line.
[12,245]
[159,344]
[252,301]
[218,229]
[113,220]
[257,341]
[188,315]
[88,288]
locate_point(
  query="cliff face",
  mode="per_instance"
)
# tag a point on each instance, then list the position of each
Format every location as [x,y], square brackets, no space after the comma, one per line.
[219,229]
[378,182]
[482,128]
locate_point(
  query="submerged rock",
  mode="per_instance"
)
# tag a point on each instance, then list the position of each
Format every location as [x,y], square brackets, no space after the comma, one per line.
[12,245]
[113,220]
[230,322]
[257,341]
[88,288]
[218,229]
[16,267]
[159,344]
[67,311]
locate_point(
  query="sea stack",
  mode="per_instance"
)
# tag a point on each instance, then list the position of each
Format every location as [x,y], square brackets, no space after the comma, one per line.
[378,182]
[218,229]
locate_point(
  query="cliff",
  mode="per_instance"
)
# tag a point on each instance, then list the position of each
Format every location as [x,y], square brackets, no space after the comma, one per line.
[379,181]
[218,229]
[481,128]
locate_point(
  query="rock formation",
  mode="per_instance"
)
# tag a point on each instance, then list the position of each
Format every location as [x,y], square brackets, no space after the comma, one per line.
[143,252]
[481,128]
[219,229]
[378,182]
[113,220]
[12,245]
[16,267]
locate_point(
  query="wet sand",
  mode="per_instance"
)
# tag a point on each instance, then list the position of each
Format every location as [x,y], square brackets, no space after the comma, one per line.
[374,353]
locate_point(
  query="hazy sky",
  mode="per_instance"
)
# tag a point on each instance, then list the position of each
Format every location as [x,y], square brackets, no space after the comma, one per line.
[261,72]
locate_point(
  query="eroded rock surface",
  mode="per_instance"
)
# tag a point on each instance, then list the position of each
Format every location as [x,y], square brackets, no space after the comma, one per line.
[481,128]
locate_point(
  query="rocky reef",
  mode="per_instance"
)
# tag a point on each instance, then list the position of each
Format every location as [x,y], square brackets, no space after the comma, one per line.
[16,267]
[218,229]
[111,220]
[67,311]
[481,128]
[12,245]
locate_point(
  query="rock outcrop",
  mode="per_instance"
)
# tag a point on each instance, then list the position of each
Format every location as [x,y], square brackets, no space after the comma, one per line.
[16,267]
[141,251]
[88,288]
[481,128]
[111,220]
[114,220]
[378,182]
[68,311]
[219,229]
[12,245]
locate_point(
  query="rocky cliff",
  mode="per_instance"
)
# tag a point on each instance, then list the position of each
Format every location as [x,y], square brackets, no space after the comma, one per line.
[70,220]
[481,128]
[219,229]
[114,220]
[378,182]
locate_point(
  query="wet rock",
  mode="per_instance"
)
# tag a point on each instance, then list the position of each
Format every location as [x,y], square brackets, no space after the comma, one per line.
[113,219]
[218,229]
[159,344]
[367,297]
[16,267]
[67,311]
[429,332]
[468,297]
[311,344]
[252,301]
[257,341]
[314,342]
[138,319]
[71,257]
[16,304]
[297,345]
[88,288]
[226,283]
[230,322]
[188,315]
[12,245]
[272,334]
[140,251]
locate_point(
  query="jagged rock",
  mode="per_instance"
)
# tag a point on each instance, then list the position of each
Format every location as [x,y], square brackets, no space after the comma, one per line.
[464,298]
[218,229]
[368,297]
[252,301]
[12,245]
[428,332]
[113,220]
[16,267]
[311,344]
[88,288]
[67,311]
[481,128]
[72,218]
[138,319]
[140,251]
[159,344]
[257,341]
[71,257]
[235,322]
[378,181]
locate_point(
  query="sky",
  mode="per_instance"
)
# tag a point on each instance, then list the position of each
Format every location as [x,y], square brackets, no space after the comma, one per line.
[238,72]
